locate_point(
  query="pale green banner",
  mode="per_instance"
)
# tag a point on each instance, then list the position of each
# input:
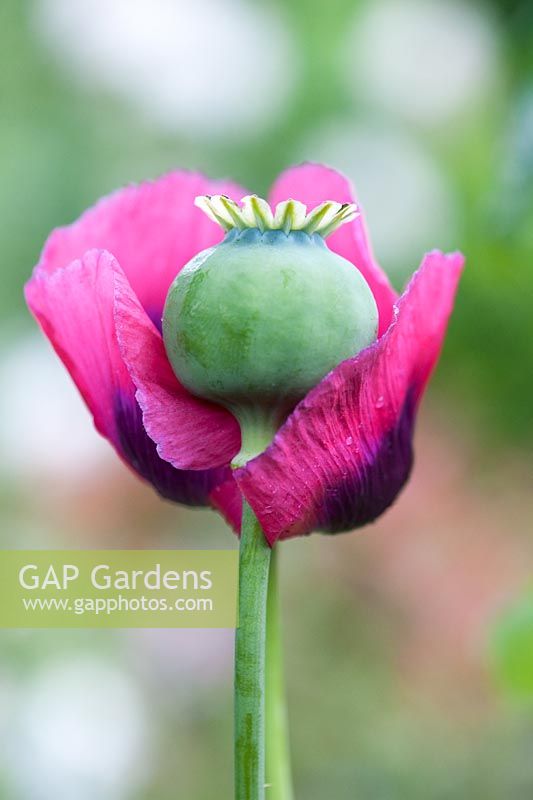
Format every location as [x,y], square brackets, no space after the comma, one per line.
[118,588]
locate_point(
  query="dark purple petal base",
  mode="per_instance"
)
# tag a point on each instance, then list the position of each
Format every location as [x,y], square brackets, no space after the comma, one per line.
[361,496]
[191,487]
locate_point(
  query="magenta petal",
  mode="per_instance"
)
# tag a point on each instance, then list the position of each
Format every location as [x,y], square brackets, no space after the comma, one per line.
[227,499]
[314,183]
[190,433]
[346,450]
[190,487]
[152,229]
[74,307]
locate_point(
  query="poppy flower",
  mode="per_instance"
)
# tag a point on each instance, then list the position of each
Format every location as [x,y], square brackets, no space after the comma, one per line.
[343,451]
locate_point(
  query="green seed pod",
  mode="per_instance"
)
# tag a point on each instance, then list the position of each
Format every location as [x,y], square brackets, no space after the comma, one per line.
[258,320]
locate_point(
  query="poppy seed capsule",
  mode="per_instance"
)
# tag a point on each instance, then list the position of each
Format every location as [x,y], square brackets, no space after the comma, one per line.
[261,318]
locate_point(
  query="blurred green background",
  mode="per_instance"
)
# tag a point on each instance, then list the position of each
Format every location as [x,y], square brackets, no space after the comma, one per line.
[395,690]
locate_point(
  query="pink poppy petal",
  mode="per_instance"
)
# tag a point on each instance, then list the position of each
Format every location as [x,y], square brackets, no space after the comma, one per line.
[190,433]
[312,184]
[74,307]
[190,487]
[346,450]
[227,499]
[153,229]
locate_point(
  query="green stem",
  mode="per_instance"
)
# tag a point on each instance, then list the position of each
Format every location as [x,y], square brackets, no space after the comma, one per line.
[250,646]
[278,765]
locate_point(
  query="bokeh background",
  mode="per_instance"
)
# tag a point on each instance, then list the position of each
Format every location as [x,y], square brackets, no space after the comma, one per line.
[409,645]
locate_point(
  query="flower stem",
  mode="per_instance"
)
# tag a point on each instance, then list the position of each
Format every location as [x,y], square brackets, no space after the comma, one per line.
[278,765]
[250,647]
